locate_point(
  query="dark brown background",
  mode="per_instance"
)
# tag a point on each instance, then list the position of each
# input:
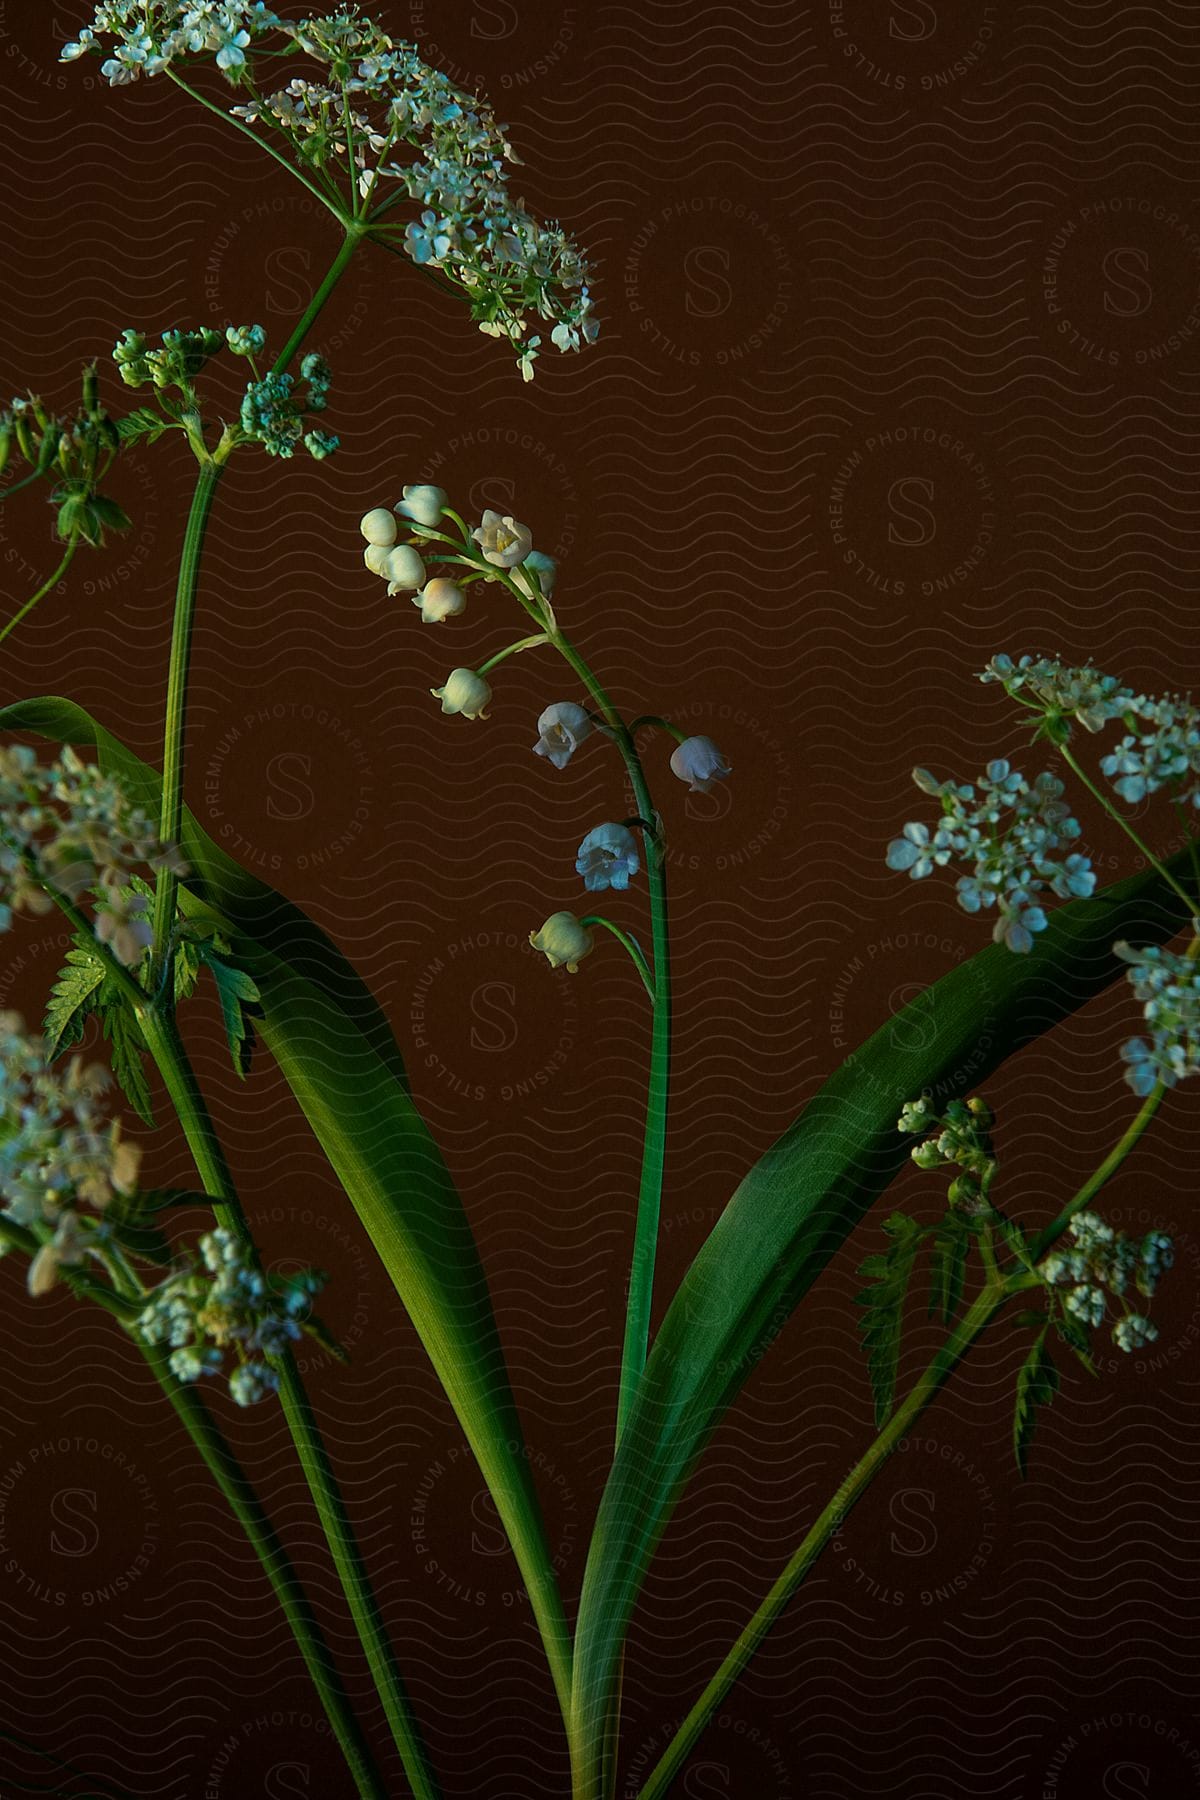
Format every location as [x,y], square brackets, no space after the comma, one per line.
[820,230]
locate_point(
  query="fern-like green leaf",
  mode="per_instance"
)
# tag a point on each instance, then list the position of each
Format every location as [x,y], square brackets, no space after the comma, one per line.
[1037,1385]
[127,1046]
[890,1272]
[236,991]
[74,996]
[949,1249]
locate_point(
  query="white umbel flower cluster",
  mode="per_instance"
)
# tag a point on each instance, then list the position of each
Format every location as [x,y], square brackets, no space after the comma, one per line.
[1101,1262]
[1168,985]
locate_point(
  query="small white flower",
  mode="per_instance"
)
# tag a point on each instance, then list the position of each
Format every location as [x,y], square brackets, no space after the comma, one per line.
[561,730]
[698,761]
[424,505]
[374,556]
[563,939]
[504,541]
[465,692]
[546,570]
[402,568]
[440,599]
[607,857]
[379,528]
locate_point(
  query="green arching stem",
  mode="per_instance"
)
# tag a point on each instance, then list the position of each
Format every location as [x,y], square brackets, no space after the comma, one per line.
[993,1296]
[45,588]
[167,1049]
[974,1322]
[1098,793]
[528,643]
[660,724]
[337,268]
[248,1510]
[623,937]
[171,813]
[256,138]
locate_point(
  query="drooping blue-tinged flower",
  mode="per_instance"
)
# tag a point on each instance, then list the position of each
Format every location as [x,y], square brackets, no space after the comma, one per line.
[561,729]
[546,570]
[1168,985]
[607,857]
[439,600]
[464,692]
[563,940]
[423,504]
[698,762]
[503,540]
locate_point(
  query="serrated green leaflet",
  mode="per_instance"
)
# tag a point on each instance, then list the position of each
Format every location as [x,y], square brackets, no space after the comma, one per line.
[788,1217]
[334,1045]
[890,1272]
[1037,1384]
[73,997]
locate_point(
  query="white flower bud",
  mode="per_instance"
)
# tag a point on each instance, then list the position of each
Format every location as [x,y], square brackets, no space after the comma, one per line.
[424,505]
[561,730]
[379,527]
[465,692]
[563,939]
[375,555]
[402,568]
[698,762]
[440,599]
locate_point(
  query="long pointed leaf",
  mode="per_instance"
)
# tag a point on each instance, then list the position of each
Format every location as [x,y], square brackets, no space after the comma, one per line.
[788,1217]
[335,1048]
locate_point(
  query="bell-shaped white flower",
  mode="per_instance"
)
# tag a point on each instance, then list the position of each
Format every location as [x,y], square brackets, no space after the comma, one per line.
[379,527]
[544,567]
[424,505]
[563,939]
[504,541]
[698,762]
[607,857]
[561,730]
[402,568]
[465,692]
[375,555]
[440,599]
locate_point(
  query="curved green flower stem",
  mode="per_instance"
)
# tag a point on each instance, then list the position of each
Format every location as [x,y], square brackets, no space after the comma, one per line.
[1098,793]
[1107,1169]
[660,724]
[45,588]
[246,1507]
[974,1322]
[337,268]
[171,813]
[167,1049]
[528,643]
[623,937]
[256,138]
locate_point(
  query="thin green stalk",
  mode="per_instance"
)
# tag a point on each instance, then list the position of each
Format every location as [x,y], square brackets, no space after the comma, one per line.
[1104,1173]
[25,481]
[974,1322]
[166,1047]
[623,937]
[527,643]
[337,268]
[45,588]
[1152,861]
[171,814]
[256,138]
[248,1511]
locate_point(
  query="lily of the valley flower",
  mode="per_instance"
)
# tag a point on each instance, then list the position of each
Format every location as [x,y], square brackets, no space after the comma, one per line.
[379,527]
[440,599]
[504,541]
[465,692]
[561,730]
[607,857]
[402,568]
[563,939]
[546,570]
[698,762]
[424,505]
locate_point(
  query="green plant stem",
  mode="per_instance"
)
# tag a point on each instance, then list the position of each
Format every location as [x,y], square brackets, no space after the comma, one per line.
[171,813]
[166,1047]
[25,481]
[45,588]
[337,268]
[256,138]
[973,1323]
[1107,1169]
[623,937]
[1152,861]
[526,643]
[248,1510]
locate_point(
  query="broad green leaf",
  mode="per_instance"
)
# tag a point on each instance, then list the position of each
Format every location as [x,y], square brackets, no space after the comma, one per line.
[883,1307]
[1037,1385]
[795,1208]
[334,1045]
[75,995]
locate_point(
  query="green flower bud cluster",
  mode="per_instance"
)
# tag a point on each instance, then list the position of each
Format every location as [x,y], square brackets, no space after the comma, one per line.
[958,1138]
[78,451]
[176,363]
[218,1302]
[273,410]
[1103,1262]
